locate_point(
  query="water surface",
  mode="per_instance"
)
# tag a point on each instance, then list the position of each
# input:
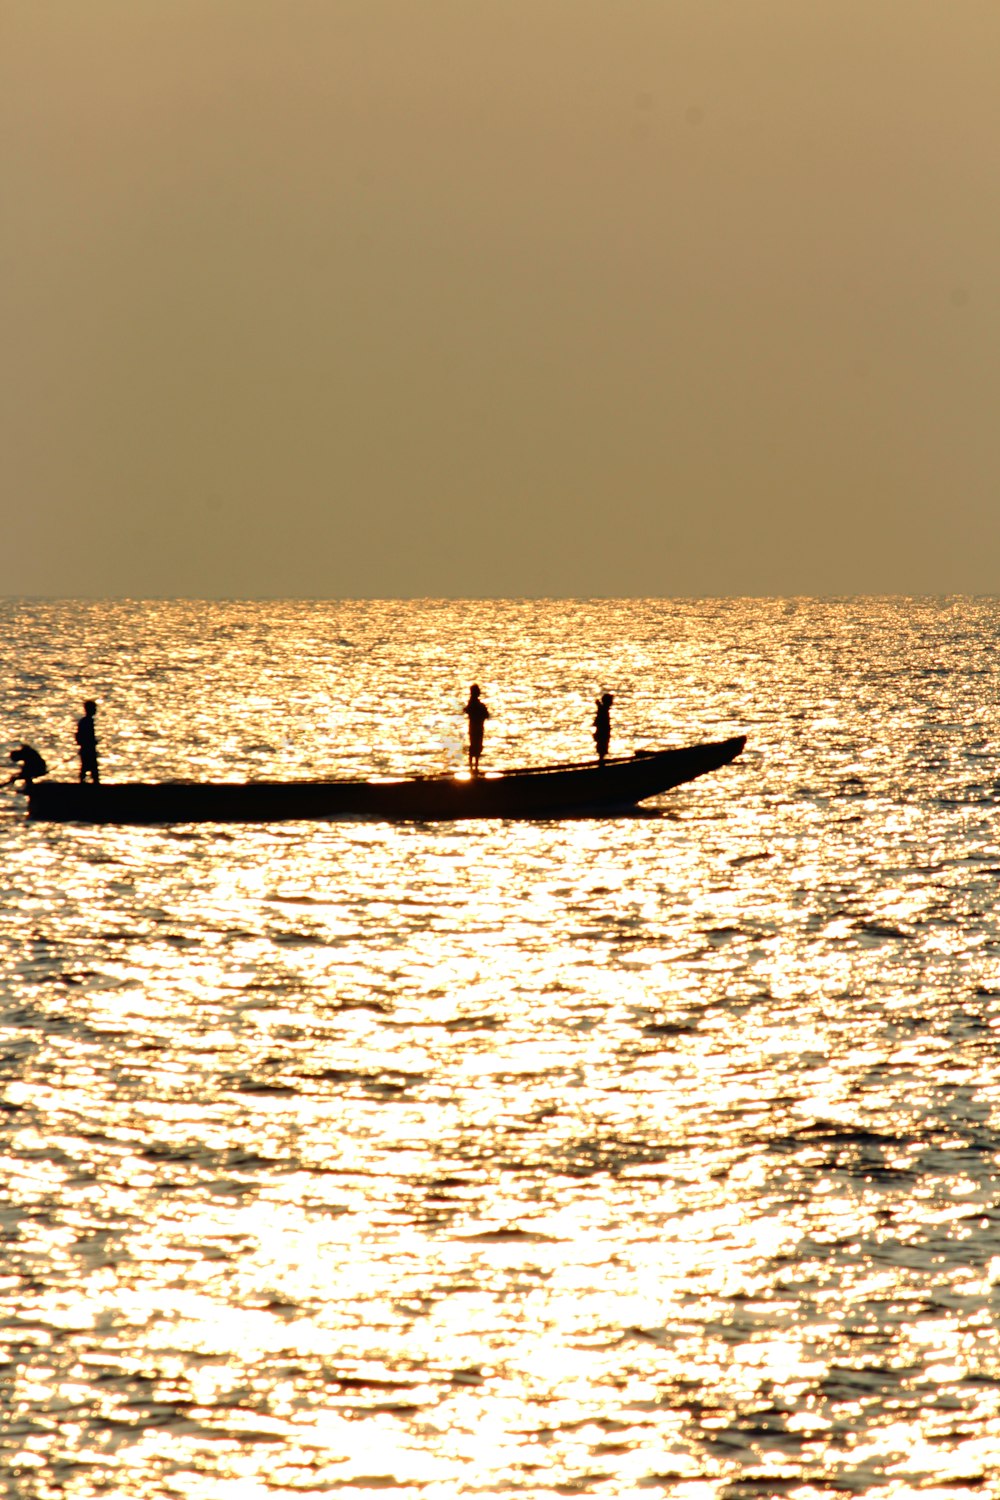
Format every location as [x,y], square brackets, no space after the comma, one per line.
[641,1155]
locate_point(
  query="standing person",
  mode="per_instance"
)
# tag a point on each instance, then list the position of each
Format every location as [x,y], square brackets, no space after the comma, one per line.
[86,738]
[602,725]
[477,713]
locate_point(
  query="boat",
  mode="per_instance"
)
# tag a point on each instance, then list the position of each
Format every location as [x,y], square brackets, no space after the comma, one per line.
[577,789]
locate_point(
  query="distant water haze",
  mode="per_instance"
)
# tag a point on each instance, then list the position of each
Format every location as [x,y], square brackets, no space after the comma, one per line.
[565,299]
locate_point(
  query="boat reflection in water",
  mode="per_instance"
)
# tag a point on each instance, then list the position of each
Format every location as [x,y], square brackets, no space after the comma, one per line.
[533,792]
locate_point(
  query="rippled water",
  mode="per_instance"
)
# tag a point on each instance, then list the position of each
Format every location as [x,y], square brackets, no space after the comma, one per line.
[642,1155]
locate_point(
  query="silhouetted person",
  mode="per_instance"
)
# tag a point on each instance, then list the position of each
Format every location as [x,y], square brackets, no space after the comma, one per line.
[86,738]
[602,725]
[477,713]
[31,766]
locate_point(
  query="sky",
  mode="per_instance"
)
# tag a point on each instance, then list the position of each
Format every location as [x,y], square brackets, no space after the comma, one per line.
[486,298]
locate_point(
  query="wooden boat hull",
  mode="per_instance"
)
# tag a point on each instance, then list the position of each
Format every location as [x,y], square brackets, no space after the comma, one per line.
[542,792]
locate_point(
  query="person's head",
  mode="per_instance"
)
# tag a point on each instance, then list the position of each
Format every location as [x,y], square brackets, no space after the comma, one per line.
[474,690]
[90,707]
[607,699]
[15,754]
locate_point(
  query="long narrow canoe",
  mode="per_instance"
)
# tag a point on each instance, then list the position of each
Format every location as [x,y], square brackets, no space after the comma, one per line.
[535,792]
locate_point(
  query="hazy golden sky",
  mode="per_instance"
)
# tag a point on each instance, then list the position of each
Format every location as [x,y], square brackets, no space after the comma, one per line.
[520,297]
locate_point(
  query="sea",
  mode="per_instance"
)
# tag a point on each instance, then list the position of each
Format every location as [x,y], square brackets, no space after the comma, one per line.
[649,1155]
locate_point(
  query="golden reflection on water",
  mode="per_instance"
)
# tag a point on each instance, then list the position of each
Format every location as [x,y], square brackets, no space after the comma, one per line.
[641,1155]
